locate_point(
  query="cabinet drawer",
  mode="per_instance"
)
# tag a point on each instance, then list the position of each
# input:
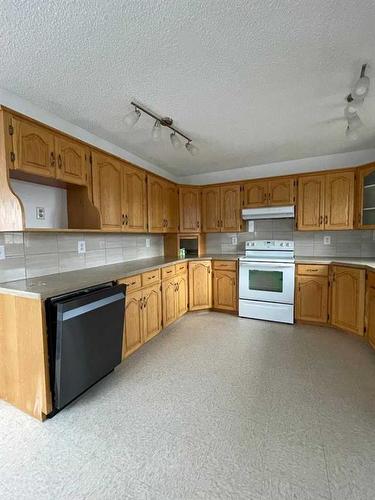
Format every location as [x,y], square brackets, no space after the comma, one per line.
[226,265]
[312,269]
[181,268]
[151,277]
[132,282]
[371,279]
[168,272]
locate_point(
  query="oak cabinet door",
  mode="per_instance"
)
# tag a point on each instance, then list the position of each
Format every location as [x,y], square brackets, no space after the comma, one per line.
[200,285]
[348,299]
[182,294]
[34,149]
[311,203]
[366,197]
[71,161]
[371,310]
[152,312]
[155,193]
[255,194]
[169,292]
[225,290]
[107,190]
[339,201]
[133,338]
[281,192]
[312,299]
[171,207]
[230,208]
[190,210]
[211,217]
[134,199]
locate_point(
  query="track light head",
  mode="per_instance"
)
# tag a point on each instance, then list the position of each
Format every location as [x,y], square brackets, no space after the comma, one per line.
[175,141]
[362,86]
[131,118]
[156,131]
[193,150]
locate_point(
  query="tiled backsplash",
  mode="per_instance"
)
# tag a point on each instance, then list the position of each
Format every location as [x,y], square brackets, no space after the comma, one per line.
[307,243]
[38,254]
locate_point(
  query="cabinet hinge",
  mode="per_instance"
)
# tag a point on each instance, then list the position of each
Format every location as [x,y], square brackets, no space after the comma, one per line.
[12,156]
[11,130]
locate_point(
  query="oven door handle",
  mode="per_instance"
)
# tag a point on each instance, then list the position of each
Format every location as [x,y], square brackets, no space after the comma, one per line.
[260,265]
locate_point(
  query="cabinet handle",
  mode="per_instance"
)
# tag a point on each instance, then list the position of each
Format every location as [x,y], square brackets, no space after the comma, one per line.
[169,272]
[320,220]
[53,159]
[152,277]
[197,224]
[312,270]
[133,283]
[144,302]
[126,219]
[326,219]
[59,161]
[141,303]
[123,219]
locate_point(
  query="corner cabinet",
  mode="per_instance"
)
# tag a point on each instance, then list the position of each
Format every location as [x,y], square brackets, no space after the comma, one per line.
[200,285]
[326,202]
[163,214]
[366,197]
[312,298]
[348,299]
[225,286]
[221,208]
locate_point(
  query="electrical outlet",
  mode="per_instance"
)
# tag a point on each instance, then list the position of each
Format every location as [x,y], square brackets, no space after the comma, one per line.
[82,246]
[148,242]
[234,240]
[40,213]
[2,252]
[326,240]
[250,226]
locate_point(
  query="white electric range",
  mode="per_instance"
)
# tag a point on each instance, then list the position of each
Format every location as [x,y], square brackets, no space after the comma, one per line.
[266,281]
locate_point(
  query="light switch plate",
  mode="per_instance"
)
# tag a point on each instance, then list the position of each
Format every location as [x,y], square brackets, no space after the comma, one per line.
[40,213]
[250,226]
[2,252]
[326,240]
[148,242]
[234,240]
[82,246]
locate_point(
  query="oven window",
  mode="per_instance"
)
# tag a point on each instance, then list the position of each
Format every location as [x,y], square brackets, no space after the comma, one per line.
[266,281]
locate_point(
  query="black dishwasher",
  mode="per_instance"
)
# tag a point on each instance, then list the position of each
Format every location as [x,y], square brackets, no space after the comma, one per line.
[85,331]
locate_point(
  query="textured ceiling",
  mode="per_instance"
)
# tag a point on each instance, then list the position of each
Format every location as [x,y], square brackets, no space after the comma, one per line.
[252,82]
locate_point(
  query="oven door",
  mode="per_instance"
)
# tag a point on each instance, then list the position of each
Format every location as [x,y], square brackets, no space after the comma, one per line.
[267,281]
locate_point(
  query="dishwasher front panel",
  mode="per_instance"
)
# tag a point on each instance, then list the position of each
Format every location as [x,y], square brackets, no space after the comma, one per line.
[89,333]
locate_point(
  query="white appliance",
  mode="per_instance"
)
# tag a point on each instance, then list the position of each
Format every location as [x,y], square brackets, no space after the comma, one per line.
[285,212]
[266,281]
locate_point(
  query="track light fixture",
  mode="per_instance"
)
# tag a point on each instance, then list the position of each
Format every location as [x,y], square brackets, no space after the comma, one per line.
[354,103]
[131,119]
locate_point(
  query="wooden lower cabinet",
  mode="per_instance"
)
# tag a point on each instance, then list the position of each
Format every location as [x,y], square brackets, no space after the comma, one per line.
[152,314]
[348,299]
[169,293]
[225,290]
[133,337]
[312,299]
[200,285]
[371,309]
[182,294]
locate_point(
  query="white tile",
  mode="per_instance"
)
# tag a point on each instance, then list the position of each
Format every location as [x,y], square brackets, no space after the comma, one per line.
[69,242]
[95,258]
[12,268]
[70,261]
[113,255]
[41,264]
[39,243]
[14,244]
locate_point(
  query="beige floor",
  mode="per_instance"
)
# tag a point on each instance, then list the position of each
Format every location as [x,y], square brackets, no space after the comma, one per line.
[215,407]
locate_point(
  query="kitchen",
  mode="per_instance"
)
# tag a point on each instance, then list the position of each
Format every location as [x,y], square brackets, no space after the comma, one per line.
[131,291]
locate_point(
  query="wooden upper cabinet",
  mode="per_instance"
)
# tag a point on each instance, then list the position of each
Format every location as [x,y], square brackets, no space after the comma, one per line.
[225,290]
[311,202]
[348,299]
[155,194]
[33,148]
[211,207]
[339,200]
[366,197]
[107,190]
[281,191]
[371,309]
[170,199]
[200,285]
[255,194]
[190,210]
[312,299]
[134,199]
[71,161]
[230,197]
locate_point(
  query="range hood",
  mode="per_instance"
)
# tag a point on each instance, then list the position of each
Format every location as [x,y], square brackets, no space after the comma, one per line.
[286,212]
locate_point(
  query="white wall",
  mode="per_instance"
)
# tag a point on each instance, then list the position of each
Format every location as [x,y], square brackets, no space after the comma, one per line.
[328,162]
[52,199]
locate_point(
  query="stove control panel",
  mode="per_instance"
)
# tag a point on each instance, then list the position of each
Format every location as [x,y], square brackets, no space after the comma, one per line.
[269,245]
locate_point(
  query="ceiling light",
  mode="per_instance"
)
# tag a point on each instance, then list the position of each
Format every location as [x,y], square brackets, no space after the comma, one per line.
[351,110]
[351,134]
[156,131]
[354,122]
[176,143]
[193,150]
[131,118]
[362,86]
